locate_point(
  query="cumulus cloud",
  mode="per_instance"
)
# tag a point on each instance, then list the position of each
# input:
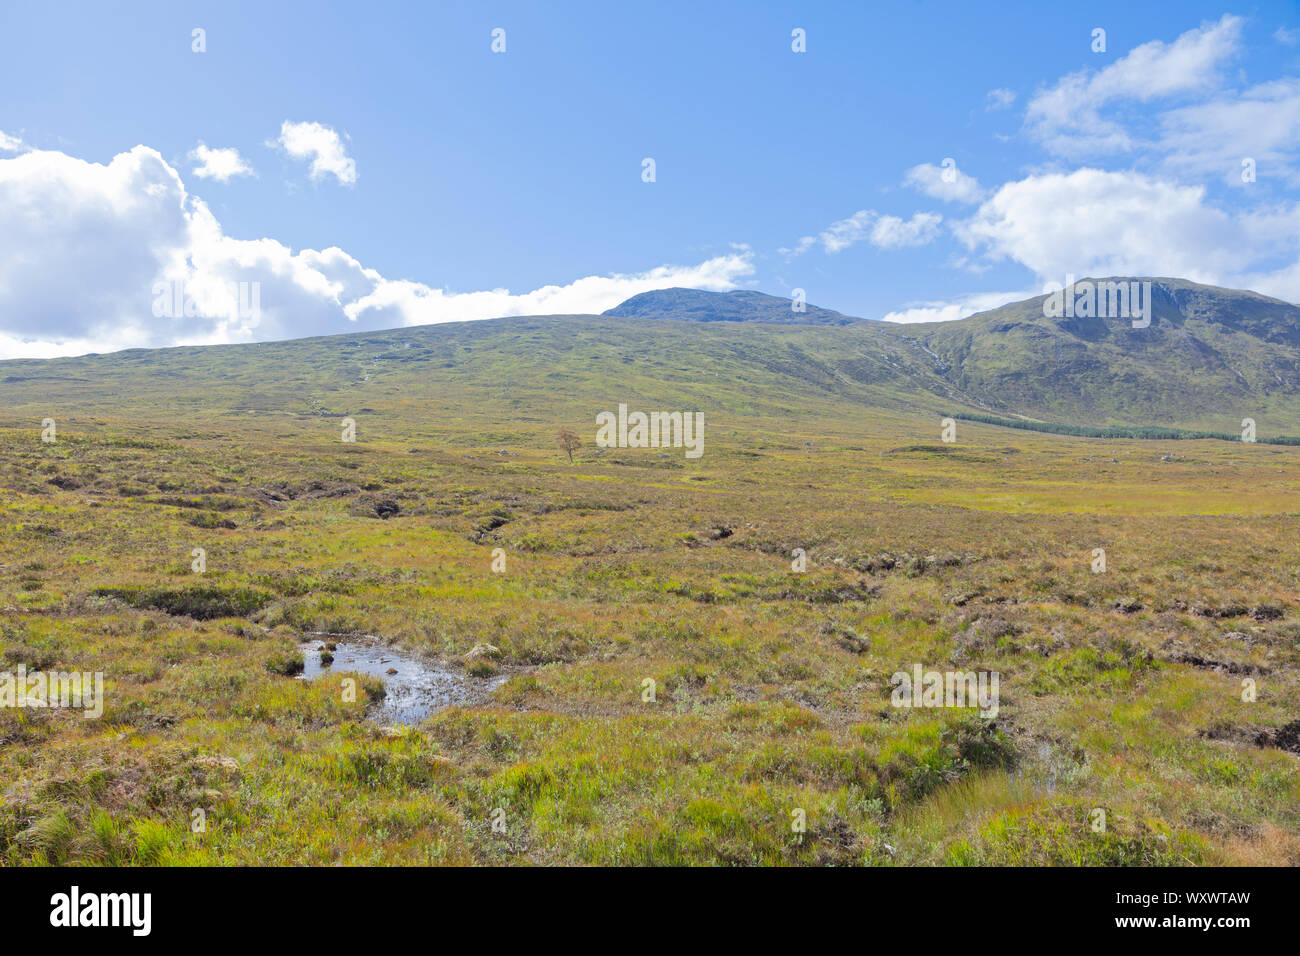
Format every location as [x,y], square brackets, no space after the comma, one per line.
[957,186]
[1067,117]
[1167,106]
[322,146]
[883,232]
[81,242]
[1092,222]
[219,164]
[1100,223]
[94,257]
[10,144]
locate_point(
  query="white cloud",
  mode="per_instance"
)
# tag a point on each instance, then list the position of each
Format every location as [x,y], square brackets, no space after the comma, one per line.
[80,243]
[10,144]
[799,248]
[884,232]
[323,146]
[1067,120]
[1262,123]
[929,179]
[890,232]
[960,308]
[84,247]
[416,304]
[219,164]
[846,232]
[1281,283]
[1289,37]
[1096,223]
[999,99]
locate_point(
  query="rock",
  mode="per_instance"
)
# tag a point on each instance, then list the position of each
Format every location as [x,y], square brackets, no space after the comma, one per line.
[490,651]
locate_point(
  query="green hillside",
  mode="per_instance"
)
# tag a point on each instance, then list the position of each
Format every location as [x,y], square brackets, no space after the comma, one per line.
[1210,358]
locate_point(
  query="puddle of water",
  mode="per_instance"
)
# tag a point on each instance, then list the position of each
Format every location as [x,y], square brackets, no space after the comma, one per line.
[415,690]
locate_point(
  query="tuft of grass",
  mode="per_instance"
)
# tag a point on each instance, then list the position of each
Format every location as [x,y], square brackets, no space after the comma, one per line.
[202,602]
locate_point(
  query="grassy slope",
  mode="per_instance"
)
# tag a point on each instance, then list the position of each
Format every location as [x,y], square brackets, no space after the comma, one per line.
[1120,690]
[1210,358]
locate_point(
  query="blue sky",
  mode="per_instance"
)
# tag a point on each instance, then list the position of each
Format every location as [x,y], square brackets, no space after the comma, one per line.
[401,172]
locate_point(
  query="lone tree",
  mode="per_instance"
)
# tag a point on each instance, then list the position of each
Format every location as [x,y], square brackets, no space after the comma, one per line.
[569,441]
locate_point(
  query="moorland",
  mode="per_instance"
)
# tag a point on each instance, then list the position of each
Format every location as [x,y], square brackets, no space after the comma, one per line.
[1163,690]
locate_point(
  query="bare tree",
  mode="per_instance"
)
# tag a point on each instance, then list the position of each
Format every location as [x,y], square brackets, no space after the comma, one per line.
[569,442]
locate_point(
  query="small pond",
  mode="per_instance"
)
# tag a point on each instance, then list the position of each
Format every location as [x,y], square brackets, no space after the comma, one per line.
[415,688]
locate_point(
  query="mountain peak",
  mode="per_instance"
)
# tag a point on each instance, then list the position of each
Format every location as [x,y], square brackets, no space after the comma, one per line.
[742,305]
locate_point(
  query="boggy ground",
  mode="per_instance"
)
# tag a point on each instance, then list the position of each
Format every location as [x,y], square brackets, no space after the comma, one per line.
[1120,690]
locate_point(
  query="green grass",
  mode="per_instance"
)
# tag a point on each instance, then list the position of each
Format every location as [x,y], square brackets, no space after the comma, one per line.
[1119,690]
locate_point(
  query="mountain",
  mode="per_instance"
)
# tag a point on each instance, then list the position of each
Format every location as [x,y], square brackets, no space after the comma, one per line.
[696,305]
[1209,355]
[1210,358]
